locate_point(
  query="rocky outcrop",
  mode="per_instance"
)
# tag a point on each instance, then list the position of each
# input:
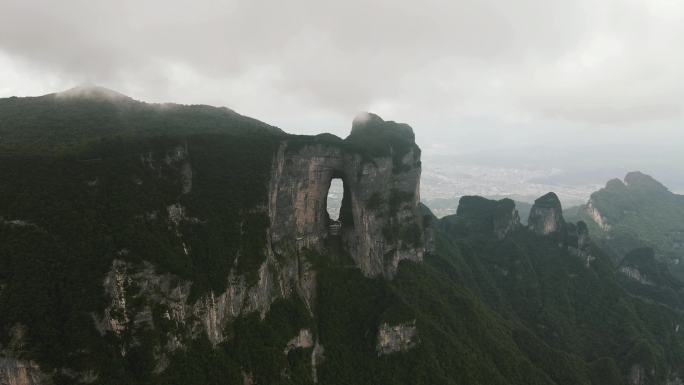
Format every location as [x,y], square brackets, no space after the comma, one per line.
[489,216]
[430,223]
[379,165]
[506,218]
[639,180]
[396,338]
[584,243]
[638,375]
[141,285]
[546,216]
[635,274]
[381,225]
[303,340]
[317,357]
[15,370]
[578,241]
[19,372]
[596,216]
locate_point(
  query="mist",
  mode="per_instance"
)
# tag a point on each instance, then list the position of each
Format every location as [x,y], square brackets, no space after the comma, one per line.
[574,92]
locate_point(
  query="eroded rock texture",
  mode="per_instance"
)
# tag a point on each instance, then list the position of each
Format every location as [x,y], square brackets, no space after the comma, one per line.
[381,224]
[494,217]
[396,338]
[260,251]
[381,221]
[15,370]
[185,319]
[546,216]
[18,372]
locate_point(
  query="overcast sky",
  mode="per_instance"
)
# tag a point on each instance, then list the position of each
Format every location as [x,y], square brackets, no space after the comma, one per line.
[468,75]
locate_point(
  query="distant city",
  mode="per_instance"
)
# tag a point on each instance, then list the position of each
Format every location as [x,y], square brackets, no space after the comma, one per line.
[443,184]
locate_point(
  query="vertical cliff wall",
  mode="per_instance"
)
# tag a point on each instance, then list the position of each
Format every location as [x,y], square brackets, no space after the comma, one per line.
[379,164]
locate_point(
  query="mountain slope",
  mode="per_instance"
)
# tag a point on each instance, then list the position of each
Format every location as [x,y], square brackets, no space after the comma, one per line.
[63,120]
[639,212]
[198,254]
[569,300]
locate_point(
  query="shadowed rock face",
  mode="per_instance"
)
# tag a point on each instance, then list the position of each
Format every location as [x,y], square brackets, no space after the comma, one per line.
[396,338]
[636,179]
[379,164]
[497,217]
[546,216]
[15,370]
[18,372]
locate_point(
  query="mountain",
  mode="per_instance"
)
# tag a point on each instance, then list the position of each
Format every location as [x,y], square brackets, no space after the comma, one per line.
[442,207]
[575,315]
[81,115]
[638,212]
[191,245]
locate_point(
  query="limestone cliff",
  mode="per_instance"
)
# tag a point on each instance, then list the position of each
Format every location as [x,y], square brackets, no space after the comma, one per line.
[380,224]
[396,338]
[493,217]
[546,216]
[15,370]
[18,372]
[596,216]
[379,165]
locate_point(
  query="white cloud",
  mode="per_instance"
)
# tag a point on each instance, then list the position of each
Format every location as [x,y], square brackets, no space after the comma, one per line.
[469,72]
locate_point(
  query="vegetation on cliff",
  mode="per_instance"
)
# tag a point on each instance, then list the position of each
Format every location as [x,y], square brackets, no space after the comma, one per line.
[638,212]
[489,306]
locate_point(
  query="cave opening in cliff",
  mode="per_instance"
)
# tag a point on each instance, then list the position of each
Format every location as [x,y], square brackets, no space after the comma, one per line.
[337,204]
[334,199]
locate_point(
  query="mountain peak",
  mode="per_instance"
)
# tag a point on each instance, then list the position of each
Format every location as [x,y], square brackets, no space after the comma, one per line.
[546,216]
[641,180]
[368,123]
[90,91]
[549,200]
[366,120]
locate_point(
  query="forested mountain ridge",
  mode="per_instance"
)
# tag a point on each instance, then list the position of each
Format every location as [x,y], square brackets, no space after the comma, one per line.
[61,121]
[203,254]
[635,213]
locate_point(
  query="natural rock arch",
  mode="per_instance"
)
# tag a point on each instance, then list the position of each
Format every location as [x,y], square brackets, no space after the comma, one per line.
[379,165]
[343,217]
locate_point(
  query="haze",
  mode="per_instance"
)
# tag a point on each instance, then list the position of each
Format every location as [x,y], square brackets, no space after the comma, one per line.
[538,94]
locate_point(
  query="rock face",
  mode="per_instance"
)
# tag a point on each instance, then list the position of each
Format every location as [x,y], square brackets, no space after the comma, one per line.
[379,165]
[381,224]
[638,375]
[303,340]
[18,372]
[636,179]
[584,243]
[635,274]
[596,216]
[506,218]
[15,370]
[546,216]
[208,314]
[489,216]
[396,338]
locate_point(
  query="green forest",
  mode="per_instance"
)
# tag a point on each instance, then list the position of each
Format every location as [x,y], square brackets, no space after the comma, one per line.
[84,183]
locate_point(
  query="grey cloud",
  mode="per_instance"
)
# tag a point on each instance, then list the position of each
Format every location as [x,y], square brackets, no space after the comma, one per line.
[584,61]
